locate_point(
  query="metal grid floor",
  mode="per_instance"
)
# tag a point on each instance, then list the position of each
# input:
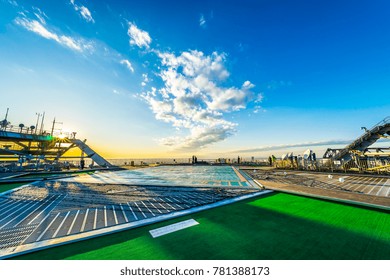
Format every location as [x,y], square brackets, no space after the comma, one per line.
[56,209]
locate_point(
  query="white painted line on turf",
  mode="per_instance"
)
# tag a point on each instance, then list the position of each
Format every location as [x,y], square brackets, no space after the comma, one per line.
[364,184]
[7,204]
[354,184]
[383,190]
[19,214]
[13,213]
[74,220]
[172,228]
[62,223]
[95,219]
[123,213]
[377,185]
[388,192]
[143,214]
[115,217]
[45,209]
[23,203]
[350,183]
[47,228]
[178,201]
[131,209]
[169,204]
[371,185]
[160,205]
[360,184]
[187,197]
[105,216]
[21,221]
[85,220]
[155,207]
[148,208]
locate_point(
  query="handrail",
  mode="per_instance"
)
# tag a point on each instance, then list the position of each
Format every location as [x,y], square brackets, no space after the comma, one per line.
[384,121]
[25,131]
[360,139]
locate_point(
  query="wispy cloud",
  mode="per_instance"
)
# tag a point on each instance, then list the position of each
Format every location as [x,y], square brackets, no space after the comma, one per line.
[273,85]
[40,28]
[83,11]
[192,98]
[138,37]
[296,145]
[35,20]
[40,15]
[202,21]
[127,64]
[257,109]
[145,79]
[13,3]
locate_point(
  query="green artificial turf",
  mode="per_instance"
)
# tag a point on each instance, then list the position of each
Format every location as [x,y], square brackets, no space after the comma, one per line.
[277,226]
[6,187]
[56,174]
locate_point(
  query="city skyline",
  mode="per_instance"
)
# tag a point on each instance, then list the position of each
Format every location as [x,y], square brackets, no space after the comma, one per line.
[146,79]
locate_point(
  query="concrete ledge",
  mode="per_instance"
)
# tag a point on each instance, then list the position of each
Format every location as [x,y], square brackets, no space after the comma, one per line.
[347,201]
[248,178]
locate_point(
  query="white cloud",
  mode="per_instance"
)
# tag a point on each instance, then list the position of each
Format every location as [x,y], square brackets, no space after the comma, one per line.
[202,21]
[84,12]
[200,137]
[248,85]
[296,145]
[41,16]
[39,28]
[138,37]
[13,3]
[273,85]
[127,64]
[145,79]
[193,99]
[258,109]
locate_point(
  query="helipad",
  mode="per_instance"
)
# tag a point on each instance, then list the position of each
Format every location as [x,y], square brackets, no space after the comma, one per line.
[55,212]
[206,176]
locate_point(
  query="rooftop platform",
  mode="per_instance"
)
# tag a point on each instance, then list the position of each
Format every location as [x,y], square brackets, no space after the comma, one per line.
[53,212]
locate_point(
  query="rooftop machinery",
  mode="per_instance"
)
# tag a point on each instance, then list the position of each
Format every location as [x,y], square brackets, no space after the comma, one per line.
[21,146]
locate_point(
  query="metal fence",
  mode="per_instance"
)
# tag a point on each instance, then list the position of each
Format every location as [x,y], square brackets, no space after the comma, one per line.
[378,165]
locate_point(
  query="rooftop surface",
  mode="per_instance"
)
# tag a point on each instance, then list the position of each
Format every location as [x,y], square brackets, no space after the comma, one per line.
[206,176]
[370,190]
[276,226]
[271,226]
[53,212]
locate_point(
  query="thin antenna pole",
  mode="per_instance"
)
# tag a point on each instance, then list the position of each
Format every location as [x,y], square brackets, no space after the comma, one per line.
[6,114]
[52,128]
[36,126]
[43,117]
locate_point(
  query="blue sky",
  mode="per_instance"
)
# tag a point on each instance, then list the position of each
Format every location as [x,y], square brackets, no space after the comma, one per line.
[212,78]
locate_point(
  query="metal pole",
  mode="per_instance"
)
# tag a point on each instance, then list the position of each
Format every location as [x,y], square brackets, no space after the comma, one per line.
[36,126]
[52,128]
[5,123]
[43,117]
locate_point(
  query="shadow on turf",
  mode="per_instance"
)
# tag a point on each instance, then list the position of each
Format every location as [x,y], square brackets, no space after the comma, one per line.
[269,234]
[238,231]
